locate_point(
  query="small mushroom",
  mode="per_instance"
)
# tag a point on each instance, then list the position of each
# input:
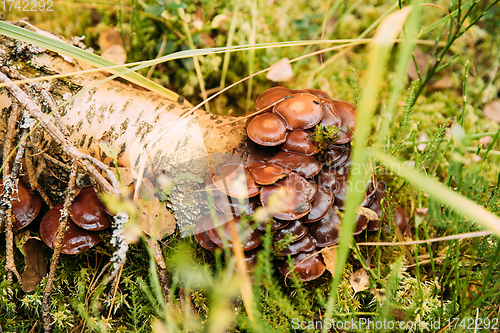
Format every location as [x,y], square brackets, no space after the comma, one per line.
[300,141]
[361,224]
[235,181]
[320,206]
[296,203]
[294,228]
[87,212]
[249,237]
[306,166]
[210,187]
[270,96]
[27,208]
[201,236]
[267,129]
[348,114]
[300,111]
[307,266]
[267,173]
[337,155]
[319,93]
[275,224]
[237,207]
[330,115]
[305,244]
[76,239]
[314,189]
[326,230]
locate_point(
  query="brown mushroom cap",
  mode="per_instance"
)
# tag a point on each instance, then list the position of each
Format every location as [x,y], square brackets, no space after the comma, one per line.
[320,206]
[250,259]
[294,228]
[27,208]
[76,239]
[300,111]
[201,236]
[318,93]
[229,205]
[210,187]
[305,244]
[270,96]
[307,266]
[249,237]
[330,115]
[361,224]
[348,113]
[87,212]
[227,181]
[314,189]
[267,173]
[296,203]
[374,225]
[306,166]
[402,220]
[337,155]
[275,224]
[326,230]
[300,141]
[267,129]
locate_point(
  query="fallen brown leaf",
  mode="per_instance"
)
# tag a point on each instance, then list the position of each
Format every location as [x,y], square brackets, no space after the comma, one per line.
[330,258]
[156,220]
[360,280]
[492,110]
[280,71]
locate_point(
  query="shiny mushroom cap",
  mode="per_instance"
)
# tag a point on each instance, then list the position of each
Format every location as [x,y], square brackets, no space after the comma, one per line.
[27,208]
[326,230]
[249,237]
[306,166]
[87,212]
[76,239]
[267,129]
[201,236]
[267,173]
[330,115]
[300,141]
[235,181]
[318,93]
[294,228]
[305,244]
[348,114]
[320,206]
[296,203]
[237,207]
[271,96]
[300,111]
[307,266]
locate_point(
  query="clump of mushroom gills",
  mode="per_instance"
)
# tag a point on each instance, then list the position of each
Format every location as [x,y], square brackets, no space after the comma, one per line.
[300,152]
[87,217]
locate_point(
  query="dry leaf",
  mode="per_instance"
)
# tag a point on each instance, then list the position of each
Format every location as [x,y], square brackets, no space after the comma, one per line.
[485,141]
[360,280]
[116,54]
[280,71]
[330,258]
[156,220]
[492,110]
[125,176]
[368,213]
[36,266]
[109,38]
[441,84]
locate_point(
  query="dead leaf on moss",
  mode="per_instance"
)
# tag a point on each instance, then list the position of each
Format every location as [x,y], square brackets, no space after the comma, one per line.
[280,71]
[360,280]
[368,213]
[330,258]
[441,84]
[109,38]
[422,60]
[492,110]
[36,266]
[156,220]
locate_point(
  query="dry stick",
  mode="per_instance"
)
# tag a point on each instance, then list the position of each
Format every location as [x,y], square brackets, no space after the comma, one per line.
[63,142]
[58,242]
[160,263]
[6,208]
[30,169]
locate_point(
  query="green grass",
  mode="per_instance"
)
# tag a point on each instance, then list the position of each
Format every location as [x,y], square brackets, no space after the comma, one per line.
[459,192]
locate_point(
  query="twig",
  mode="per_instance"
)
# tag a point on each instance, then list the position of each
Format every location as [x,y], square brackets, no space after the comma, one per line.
[63,142]
[160,263]
[58,242]
[9,187]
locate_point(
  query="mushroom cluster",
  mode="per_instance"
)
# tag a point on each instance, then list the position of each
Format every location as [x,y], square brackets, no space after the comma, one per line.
[87,217]
[286,160]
